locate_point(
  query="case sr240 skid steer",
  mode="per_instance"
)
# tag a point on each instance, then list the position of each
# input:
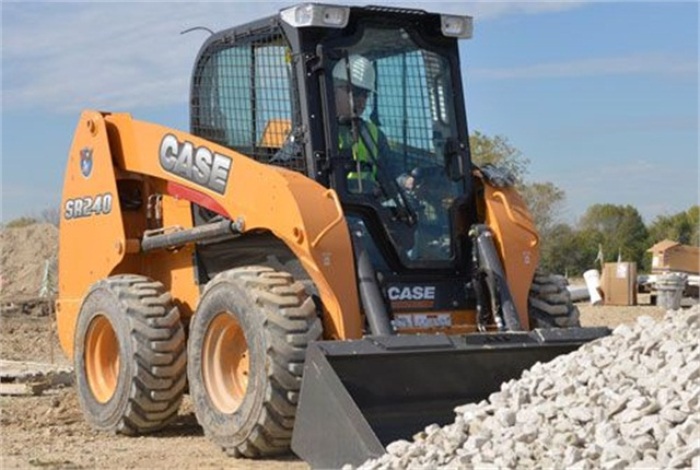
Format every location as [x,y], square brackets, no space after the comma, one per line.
[317,263]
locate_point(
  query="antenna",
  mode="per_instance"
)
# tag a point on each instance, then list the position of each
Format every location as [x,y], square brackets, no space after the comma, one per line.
[203,28]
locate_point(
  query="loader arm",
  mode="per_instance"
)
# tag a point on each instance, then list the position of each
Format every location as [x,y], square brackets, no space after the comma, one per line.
[516,240]
[307,217]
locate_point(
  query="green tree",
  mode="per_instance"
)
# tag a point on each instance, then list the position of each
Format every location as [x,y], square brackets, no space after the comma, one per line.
[682,227]
[570,251]
[497,151]
[622,229]
[544,200]
[694,218]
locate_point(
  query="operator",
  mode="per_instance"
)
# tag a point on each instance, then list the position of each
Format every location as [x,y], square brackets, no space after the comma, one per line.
[367,143]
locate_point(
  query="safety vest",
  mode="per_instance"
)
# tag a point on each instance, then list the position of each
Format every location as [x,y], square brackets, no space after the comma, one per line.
[369,137]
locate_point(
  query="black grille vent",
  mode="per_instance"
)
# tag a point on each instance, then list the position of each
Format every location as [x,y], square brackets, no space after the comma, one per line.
[401,11]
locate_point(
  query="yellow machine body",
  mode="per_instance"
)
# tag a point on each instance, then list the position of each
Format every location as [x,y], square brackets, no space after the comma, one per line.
[96,242]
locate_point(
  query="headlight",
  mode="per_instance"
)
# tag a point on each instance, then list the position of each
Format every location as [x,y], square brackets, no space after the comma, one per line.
[457,26]
[312,14]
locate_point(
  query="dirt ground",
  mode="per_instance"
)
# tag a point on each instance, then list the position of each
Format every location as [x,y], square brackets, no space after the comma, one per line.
[48,431]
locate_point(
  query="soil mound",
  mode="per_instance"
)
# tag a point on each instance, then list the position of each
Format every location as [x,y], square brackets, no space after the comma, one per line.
[24,253]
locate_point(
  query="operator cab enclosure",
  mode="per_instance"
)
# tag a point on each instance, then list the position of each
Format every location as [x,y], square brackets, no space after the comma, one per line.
[400,161]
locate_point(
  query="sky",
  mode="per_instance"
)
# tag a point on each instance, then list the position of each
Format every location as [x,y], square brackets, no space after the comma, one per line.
[601,98]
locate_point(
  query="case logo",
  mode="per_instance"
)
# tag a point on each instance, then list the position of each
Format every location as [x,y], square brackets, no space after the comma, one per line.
[411,297]
[411,293]
[86,162]
[198,165]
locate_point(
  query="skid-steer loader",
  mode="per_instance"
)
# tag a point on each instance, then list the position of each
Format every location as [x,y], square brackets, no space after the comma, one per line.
[317,263]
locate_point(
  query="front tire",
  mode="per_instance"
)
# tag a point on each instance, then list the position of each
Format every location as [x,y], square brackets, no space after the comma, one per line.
[129,356]
[549,303]
[246,354]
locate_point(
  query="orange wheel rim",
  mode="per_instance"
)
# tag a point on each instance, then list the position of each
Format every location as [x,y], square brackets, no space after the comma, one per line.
[225,363]
[101,358]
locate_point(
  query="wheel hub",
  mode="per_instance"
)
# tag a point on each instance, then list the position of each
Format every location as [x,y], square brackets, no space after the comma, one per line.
[225,362]
[102,358]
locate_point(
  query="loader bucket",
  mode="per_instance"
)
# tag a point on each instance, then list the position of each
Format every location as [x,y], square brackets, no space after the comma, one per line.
[358,396]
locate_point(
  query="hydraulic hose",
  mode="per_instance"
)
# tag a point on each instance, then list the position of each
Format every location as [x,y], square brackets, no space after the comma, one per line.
[370,294]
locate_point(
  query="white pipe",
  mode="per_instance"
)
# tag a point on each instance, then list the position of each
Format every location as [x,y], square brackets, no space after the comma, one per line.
[578,293]
[592,278]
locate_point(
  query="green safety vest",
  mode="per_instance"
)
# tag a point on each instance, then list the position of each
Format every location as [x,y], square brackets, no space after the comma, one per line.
[369,133]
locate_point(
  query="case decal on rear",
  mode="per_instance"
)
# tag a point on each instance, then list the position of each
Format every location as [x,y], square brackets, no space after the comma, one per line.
[198,165]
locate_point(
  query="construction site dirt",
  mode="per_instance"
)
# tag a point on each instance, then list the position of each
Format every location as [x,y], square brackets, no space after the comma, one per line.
[48,430]
[45,427]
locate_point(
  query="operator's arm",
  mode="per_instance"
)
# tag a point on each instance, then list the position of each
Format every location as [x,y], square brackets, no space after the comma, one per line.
[388,158]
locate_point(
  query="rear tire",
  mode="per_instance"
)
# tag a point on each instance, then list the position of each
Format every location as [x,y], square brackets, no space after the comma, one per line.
[246,355]
[550,304]
[129,356]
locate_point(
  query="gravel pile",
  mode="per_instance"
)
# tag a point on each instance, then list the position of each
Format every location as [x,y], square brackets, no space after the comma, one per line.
[628,400]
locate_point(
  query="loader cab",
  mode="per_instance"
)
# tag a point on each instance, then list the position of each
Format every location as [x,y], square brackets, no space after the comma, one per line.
[402,154]
[270,90]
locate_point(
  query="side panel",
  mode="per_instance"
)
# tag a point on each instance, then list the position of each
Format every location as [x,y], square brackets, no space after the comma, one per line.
[175,268]
[516,239]
[296,209]
[91,239]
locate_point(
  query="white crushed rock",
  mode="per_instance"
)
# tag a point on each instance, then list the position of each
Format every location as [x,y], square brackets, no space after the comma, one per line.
[628,400]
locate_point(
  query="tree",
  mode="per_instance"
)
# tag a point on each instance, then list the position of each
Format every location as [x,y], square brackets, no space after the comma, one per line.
[622,230]
[570,251]
[499,152]
[544,200]
[693,215]
[682,227]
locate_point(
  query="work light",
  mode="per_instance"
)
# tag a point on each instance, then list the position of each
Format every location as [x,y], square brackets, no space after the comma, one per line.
[457,26]
[316,15]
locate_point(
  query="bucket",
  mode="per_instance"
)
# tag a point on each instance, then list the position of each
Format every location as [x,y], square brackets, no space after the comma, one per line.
[592,278]
[670,289]
[380,389]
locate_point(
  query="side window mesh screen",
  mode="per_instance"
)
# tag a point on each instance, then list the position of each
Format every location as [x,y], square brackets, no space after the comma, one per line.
[245,98]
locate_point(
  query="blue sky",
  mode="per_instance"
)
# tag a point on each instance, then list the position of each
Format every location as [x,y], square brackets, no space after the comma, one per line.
[602,98]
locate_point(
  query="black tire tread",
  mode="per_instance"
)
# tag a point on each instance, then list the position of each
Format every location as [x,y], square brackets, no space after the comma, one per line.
[159,373]
[290,323]
[550,304]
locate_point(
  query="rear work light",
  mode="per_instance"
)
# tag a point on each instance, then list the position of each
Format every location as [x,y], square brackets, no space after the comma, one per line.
[313,14]
[457,26]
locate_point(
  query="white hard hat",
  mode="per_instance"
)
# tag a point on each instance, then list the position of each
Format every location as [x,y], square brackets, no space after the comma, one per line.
[361,72]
